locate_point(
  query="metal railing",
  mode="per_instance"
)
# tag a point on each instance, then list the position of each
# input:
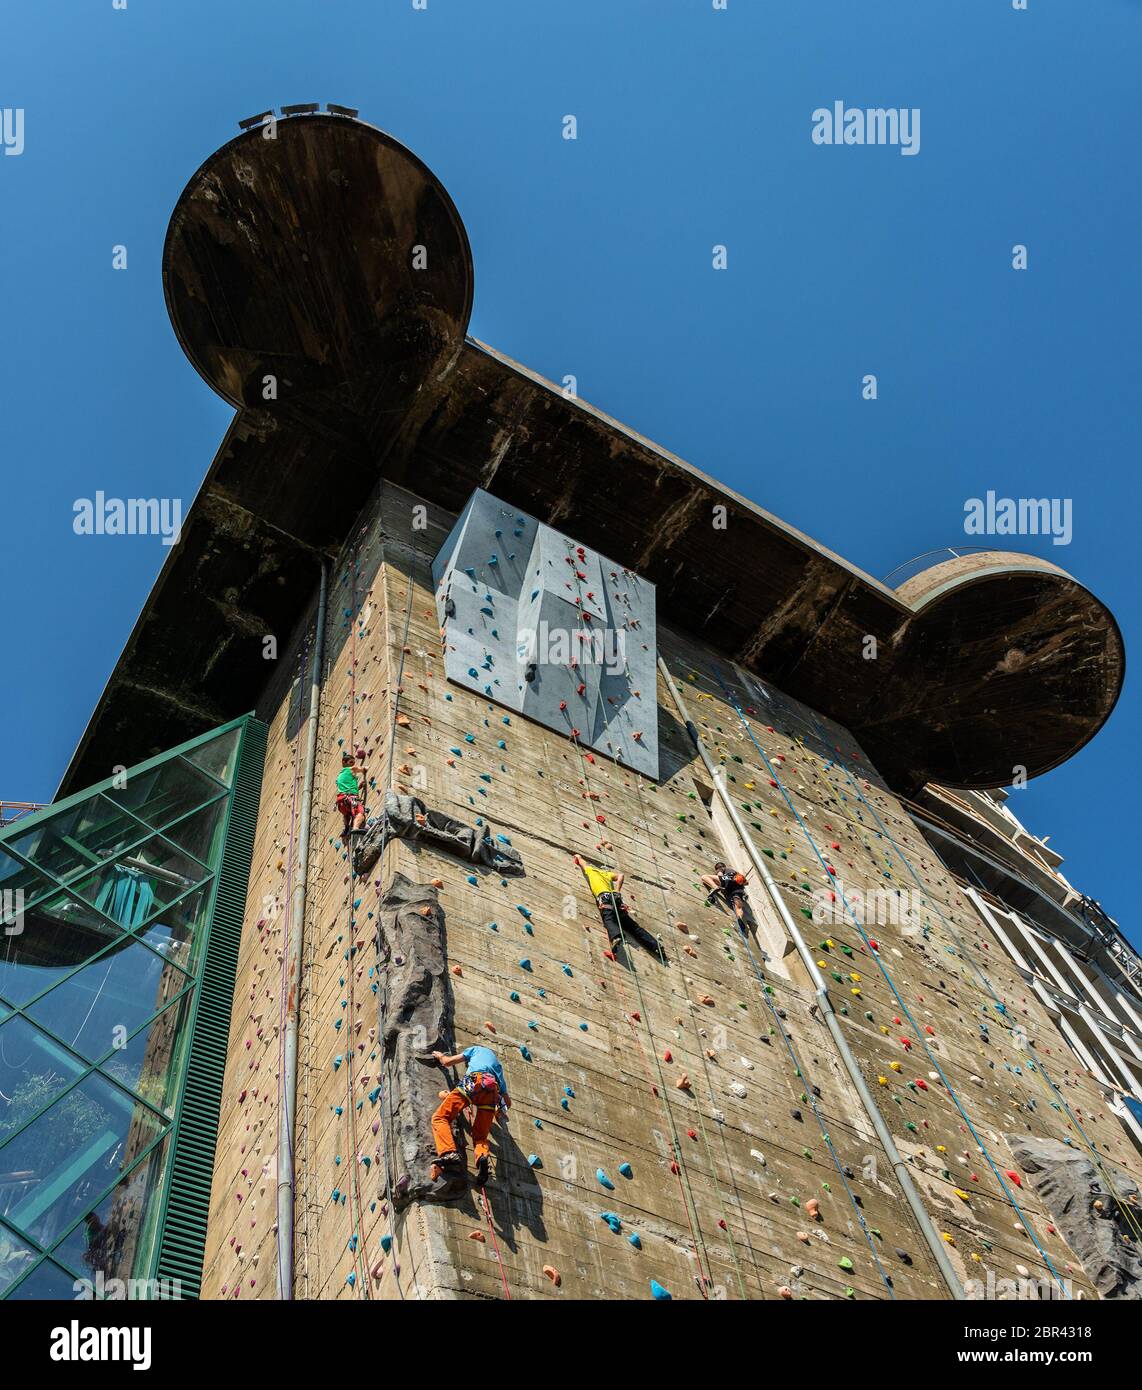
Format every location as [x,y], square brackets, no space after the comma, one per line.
[929,560]
[13,810]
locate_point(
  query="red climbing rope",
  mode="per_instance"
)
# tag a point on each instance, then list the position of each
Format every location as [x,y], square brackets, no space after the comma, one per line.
[678,1163]
[495,1244]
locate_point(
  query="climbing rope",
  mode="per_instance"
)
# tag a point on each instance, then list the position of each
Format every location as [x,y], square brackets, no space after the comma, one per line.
[678,1157]
[1038,1068]
[360,1258]
[283,989]
[495,1243]
[382,993]
[777,781]
[678,1161]
[705,1067]
[800,1071]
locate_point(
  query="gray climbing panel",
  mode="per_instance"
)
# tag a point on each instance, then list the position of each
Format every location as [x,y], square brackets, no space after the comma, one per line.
[540,624]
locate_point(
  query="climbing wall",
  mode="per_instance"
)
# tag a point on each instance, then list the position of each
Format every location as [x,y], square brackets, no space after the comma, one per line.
[681,1129]
[510,591]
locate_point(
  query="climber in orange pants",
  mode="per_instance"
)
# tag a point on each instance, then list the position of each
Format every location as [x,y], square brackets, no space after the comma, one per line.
[485,1089]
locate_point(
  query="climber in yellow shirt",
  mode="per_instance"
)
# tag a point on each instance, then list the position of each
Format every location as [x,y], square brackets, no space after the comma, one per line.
[606,887]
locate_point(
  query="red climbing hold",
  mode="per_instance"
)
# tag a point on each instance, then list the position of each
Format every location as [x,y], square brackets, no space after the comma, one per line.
[1015,1178]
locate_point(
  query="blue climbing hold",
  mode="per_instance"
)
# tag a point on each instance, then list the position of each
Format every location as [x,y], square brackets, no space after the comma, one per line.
[603,1180]
[626,1170]
[525,964]
[534,1160]
[524,1053]
[612,1221]
[386,1243]
[658,1291]
[634,1240]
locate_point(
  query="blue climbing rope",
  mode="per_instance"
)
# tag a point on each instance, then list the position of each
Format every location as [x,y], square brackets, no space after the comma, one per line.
[778,782]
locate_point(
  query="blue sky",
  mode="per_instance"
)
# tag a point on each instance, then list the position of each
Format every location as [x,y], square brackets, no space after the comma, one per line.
[593,258]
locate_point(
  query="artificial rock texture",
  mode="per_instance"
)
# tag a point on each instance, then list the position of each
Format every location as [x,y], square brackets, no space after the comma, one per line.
[753,1171]
[415,1018]
[1077,1196]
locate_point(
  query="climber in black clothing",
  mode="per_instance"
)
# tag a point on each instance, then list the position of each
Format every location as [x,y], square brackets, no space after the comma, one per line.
[730,884]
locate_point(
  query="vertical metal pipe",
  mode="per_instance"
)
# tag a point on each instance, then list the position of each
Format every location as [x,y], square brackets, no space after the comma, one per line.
[292,965]
[856,1076]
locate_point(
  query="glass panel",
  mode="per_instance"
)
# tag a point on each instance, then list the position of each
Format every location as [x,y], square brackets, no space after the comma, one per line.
[179,926]
[218,756]
[200,834]
[80,838]
[58,935]
[99,1005]
[140,885]
[114,1238]
[18,878]
[48,1282]
[15,1256]
[34,1070]
[75,1151]
[166,792]
[150,1061]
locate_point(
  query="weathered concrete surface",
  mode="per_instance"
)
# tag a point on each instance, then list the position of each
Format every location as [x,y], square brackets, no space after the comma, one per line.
[1070,1186]
[1010,1073]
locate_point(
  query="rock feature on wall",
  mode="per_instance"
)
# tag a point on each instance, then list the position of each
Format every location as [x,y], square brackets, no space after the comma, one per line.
[408,818]
[1084,1211]
[415,1018]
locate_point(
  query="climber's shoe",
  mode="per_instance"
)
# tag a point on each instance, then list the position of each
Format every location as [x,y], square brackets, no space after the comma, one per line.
[446,1184]
[482,1171]
[447,1166]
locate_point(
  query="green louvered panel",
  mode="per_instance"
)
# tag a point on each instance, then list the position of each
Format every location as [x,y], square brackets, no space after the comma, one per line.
[182,1236]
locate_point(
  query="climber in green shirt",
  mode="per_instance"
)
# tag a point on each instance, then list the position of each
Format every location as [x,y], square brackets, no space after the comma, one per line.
[351,793]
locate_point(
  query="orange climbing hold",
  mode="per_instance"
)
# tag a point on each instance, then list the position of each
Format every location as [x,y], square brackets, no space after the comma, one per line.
[478,1235]
[553,1274]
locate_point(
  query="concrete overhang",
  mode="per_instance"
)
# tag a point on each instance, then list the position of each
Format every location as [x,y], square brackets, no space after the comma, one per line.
[321,281]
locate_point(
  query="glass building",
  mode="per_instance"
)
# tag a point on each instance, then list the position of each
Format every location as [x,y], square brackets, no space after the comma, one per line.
[121,912]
